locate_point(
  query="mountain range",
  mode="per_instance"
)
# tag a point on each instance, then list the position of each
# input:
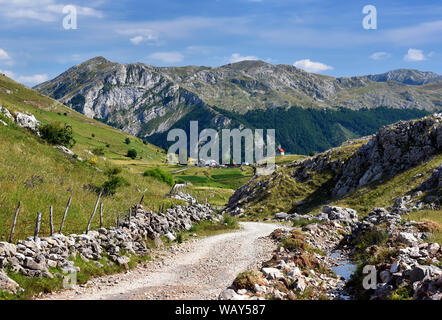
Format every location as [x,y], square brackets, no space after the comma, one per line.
[148,101]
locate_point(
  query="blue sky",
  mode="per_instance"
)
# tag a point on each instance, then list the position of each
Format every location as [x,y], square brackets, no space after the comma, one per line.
[320,36]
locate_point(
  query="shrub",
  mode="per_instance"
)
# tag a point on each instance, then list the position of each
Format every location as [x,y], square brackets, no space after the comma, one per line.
[160,175]
[127,141]
[132,153]
[93,135]
[370,238]
[99,151]
[230,221]
[58,134]
[113,171]
[112,184]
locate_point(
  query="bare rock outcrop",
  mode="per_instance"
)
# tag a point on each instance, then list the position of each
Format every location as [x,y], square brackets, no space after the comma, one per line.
[393,149]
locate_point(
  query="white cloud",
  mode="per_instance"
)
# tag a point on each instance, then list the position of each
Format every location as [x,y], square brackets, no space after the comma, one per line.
[34,79]
[167,57]
[311,66]
[4,55]
[137,40]
[414,55]
[42,10]
[426,32]
[184,27]
[139,35]
[236,57]
[380,55]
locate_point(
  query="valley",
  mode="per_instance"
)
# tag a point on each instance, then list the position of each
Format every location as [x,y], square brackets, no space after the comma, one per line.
[365,190]
[310,112]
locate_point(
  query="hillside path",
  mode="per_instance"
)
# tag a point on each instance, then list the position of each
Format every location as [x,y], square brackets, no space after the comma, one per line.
[197,269]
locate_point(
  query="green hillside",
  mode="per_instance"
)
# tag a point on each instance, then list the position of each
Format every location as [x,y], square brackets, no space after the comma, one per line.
[39,175]
[302,131]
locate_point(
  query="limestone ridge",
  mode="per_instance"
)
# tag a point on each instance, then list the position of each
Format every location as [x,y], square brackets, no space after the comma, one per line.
[145,100]
[391,150]
[133,97]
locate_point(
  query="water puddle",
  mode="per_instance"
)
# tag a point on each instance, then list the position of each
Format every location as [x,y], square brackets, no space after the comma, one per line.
[344,269]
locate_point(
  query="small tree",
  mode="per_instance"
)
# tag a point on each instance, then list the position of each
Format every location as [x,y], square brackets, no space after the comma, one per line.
[127,141]
[56,133]
[113,182]
[98,151]
[132,153]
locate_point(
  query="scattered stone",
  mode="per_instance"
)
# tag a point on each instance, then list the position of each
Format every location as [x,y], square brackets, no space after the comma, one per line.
[272,273]
[27,121]
[7,284]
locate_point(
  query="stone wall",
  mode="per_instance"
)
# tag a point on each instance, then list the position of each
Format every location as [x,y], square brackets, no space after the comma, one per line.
[34,258]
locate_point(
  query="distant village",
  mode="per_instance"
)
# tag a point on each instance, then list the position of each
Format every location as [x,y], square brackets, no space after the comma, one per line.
[214,164]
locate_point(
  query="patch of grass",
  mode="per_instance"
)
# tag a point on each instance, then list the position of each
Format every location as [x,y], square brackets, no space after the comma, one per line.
[104,266]
[210,228]
[226,178]
[179,238]
[284,193]
[384,194]
[90,269]
[300,223]
[230,222]
[402,293]
[370,238]
[432,222]
[160,175]
[32,286]
[248,279]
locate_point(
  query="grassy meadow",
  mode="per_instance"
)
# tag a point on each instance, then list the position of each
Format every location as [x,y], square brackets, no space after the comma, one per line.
[40,176]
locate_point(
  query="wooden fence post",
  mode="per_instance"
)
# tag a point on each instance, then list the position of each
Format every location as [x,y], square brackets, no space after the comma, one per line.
[14,222]
[51,221]
[37,226]
[130,214]
[101,215]
[141,201]
[65,214]
[95,210]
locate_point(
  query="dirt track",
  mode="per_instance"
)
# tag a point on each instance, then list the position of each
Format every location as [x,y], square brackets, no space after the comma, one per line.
[198,269]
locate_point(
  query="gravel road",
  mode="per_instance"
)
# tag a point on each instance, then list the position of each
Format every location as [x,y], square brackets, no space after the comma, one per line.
[197,269]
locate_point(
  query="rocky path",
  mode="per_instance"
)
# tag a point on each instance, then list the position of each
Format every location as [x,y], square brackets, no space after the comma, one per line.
[197,269]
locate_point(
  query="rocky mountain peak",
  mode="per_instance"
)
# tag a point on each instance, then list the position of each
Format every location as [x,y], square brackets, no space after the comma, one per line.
[407,76]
